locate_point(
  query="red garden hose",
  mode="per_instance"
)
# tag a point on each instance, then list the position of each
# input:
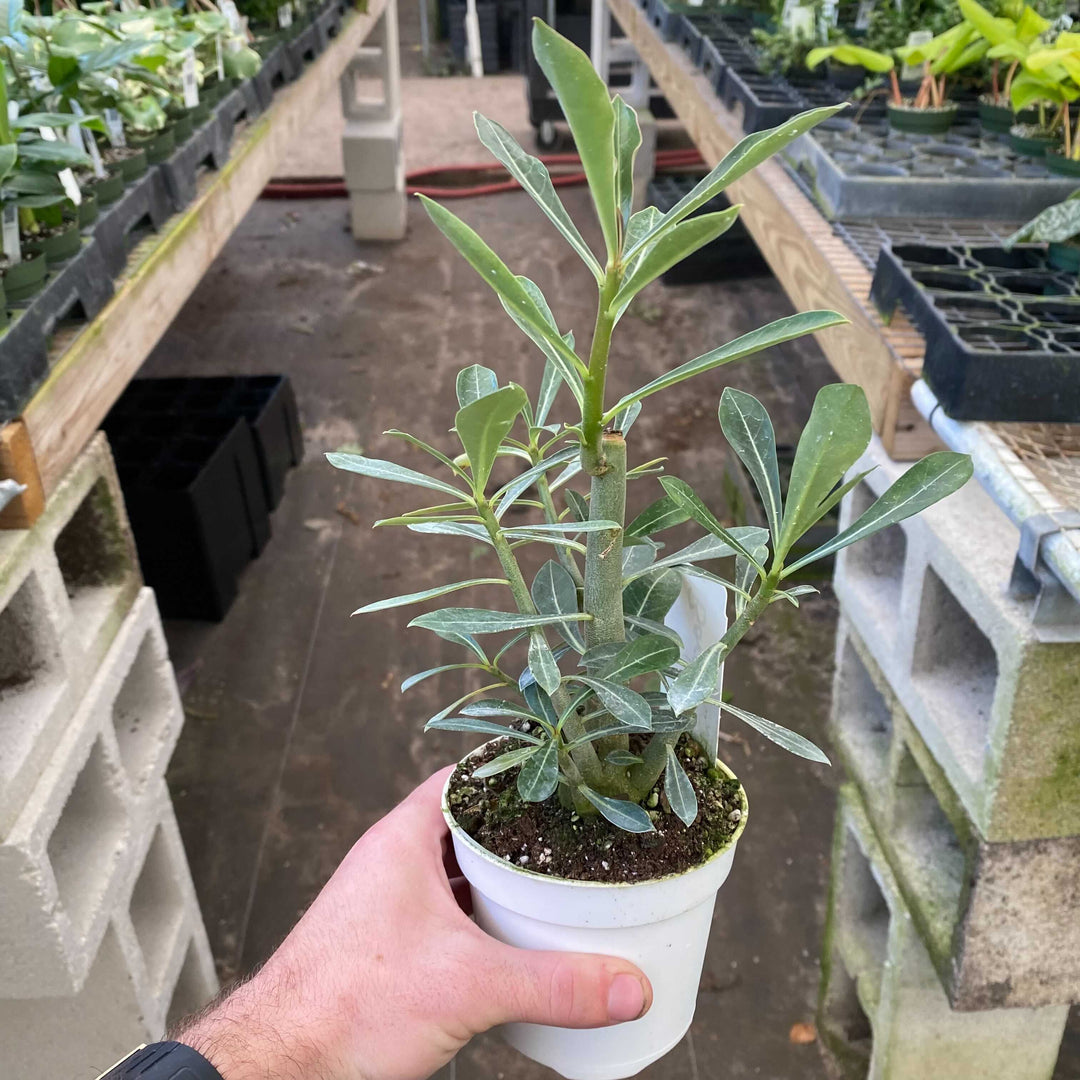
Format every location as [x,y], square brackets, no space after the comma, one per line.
[451,181]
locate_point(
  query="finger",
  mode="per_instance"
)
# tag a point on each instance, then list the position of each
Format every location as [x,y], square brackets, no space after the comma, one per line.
[576,990]
[421,812]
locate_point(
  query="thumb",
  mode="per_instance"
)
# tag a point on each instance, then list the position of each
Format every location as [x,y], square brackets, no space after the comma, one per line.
[574,990]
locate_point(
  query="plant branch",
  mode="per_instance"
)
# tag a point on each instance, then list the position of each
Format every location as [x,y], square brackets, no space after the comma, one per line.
[592,411]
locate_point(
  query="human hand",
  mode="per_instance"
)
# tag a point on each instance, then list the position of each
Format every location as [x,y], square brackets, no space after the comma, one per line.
[385,977]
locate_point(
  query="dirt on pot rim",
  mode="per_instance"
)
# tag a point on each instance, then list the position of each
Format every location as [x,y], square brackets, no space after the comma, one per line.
[550,839]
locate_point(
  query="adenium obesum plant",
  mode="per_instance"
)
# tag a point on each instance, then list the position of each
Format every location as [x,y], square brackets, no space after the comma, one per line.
[592,636]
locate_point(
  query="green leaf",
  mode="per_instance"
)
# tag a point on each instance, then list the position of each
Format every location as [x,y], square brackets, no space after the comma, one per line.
[58,152]
[578,506]
[623,815]
[498,707]
[509,493]
[571,527]
[482,621]
[747,155]
[651,595]
[467,641]
[516,299]
[388,470]
[426,594]
[542,664]
[636,624]
[672,246]
[650,652]
[679,791]
[482,426]
[549,388]
[853,56]
[626,705]
[713,547]
[599,655]
[8,156]
[1055,224]
[554,593]
[504,761]
[539,776]
[420,676]
[835,437]
[683,494]
[452,528]
[660,515]
[623,757]
[789,740]
[636,559]
[696,681]
[747,427]
[483,727]
[586,104]
[792,326]
[533,176]
[627,141]
[924,484]
[624,421]
[475,382]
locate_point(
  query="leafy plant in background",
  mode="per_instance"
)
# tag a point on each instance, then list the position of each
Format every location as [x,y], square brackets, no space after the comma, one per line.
[1057,224]
[599,663]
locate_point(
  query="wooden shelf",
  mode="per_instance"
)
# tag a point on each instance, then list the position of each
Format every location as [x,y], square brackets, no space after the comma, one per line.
[814,266]
[90,371]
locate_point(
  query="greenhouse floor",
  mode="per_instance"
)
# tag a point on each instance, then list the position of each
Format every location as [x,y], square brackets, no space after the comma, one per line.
[297,738]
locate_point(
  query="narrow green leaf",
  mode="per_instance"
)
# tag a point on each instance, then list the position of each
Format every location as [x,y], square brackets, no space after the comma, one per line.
[539,701]
[427,594]
[452,528]
[627,141]
[713,547]
[533,176]
[746,155]
[626,705]
[388,470]
[764,337]
[482,426]
[623,815]
[539,776]
[412,440]
[696,681]
[420,676]
[924,484]
[679,791]
[504,761]
[549,388]
[834,438]
[747,427]
[624,420]
[475,382]
[664,720]
[483,727]
[789,740]
[623,757]
[510,492]
[683,494]
[592,660]
[645,654]
[636,559]
[467,641]
[566,361]
[586,104]
[660,515]
[542,664]
[651,595]
[498,707]
[554,593]
[837,494]
[640,225]
[482,621]
[571,527]
[636,624]
[578,505]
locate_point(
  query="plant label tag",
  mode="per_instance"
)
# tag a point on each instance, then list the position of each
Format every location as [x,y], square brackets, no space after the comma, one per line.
[699,617]
[90,144]
[219,58]
[785,14]
[12,247]
[284,16]
[73,134]
[830,13]
[862,16]
[232,16]
[189,81]
[801,24]
[114,127]
[12,111]
[70,185]
[916,37]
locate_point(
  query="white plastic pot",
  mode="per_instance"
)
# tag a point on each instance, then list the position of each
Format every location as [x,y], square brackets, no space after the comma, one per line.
[661,925]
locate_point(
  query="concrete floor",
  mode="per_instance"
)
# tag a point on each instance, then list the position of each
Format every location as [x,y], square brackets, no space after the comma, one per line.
[297,738]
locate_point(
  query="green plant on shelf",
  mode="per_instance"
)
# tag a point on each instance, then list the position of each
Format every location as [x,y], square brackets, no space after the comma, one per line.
[597,687]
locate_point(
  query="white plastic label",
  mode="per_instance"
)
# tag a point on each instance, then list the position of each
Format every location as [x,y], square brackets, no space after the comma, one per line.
[65,176]
[219,57]
[114,127]
[284,16]
[916,37]
[801,24]
[189,81]
[862,16]
[232,16]
[12,110]
[89,143]
[12,247]
[830,13]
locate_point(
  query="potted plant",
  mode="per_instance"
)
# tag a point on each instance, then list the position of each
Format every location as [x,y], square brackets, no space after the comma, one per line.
[851,65]
[1058,227]
[1055,73]
[591,703]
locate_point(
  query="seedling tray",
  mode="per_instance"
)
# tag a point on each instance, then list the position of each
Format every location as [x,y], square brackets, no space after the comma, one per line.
[1002,328]
[867,172]
[207,146]
[145,203]
[663,19]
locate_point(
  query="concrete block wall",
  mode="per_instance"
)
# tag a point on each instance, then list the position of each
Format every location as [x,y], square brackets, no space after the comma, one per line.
[76,846]
[152,968]
[65,587]
[882,1012]
[998,919]
[998,708]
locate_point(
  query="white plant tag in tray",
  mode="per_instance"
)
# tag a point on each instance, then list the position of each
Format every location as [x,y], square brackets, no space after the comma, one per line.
[12,246]
[189,81]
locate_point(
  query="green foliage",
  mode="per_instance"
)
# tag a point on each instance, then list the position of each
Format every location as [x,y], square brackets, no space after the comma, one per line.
[1056,224]
[585,660]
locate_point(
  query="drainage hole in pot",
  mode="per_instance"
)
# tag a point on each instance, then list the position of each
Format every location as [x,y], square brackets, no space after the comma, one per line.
[998,338]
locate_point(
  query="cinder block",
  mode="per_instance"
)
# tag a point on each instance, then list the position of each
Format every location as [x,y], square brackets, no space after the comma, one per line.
[78,841]
[378,215]
[882,1013]
[65,587]
[998,708]
[373,153]
[998,919]
[152,968]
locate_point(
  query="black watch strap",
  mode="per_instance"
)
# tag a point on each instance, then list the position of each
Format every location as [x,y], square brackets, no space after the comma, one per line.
[162,1061]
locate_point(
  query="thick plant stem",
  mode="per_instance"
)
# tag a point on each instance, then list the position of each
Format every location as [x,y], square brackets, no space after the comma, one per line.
[643,776]
[603,558]
[592,410]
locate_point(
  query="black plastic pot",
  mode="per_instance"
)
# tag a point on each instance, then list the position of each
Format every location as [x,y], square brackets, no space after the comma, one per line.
[1030,142]
[922,121]
[109,189]
[999,118]
[158,146]
[1058,163]
[57,248]
[88,208]
[135,166]
[26,278]
[182,126]
[201,113]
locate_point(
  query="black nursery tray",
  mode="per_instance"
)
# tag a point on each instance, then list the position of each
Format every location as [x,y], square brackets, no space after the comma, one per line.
[864,171]
[1002,328]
